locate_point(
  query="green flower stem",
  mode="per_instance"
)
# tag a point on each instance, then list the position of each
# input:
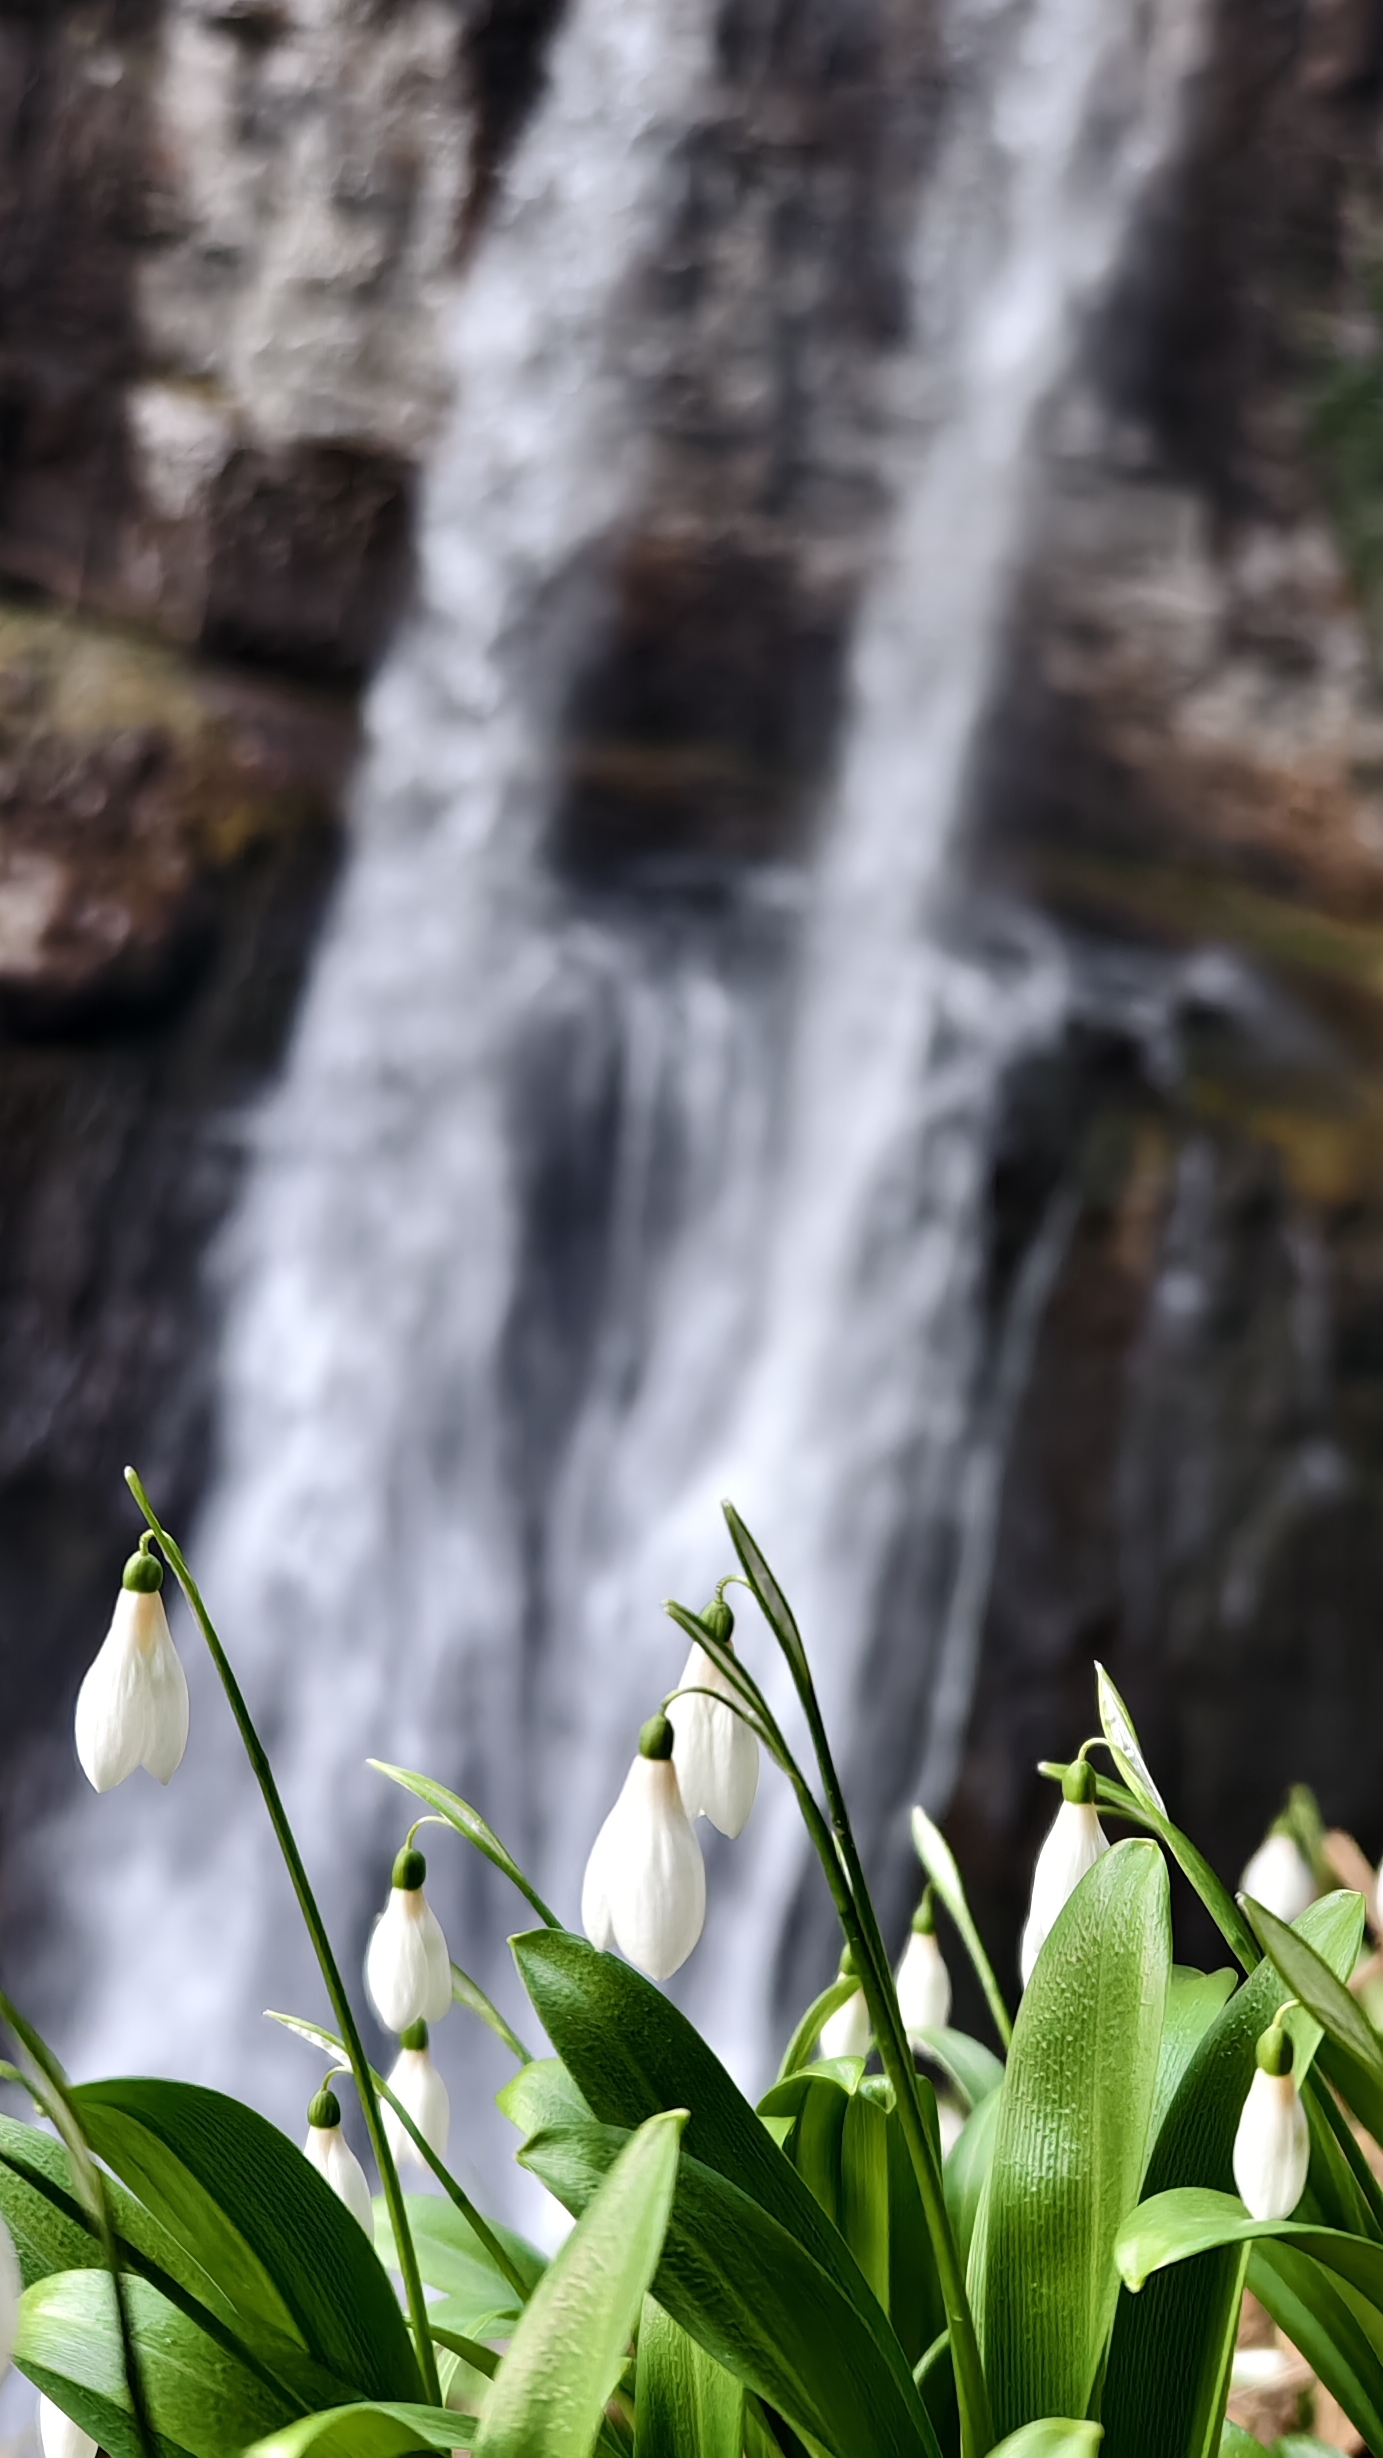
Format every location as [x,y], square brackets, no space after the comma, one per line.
[321,1944]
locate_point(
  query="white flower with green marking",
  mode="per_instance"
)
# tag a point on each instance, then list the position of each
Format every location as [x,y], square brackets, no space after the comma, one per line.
[924,1983]
[407,1967]
[1272,2148]
[1075,1841]
[331,2155]
[132,1708]
[645,1883]
[715,1753]
[417,2083]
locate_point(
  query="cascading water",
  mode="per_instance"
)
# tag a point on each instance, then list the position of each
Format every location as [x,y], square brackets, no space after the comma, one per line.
[575,1212]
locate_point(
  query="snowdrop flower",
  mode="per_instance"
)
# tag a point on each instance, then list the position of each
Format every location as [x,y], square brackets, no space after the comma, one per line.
[408,1968]
[1272,2149]
[11,2289]
[924,1984]
[416,2081]
[645,1884]
[132,1707]
[715,1753]
[331,2155]
[1278,1877]
[1074,1843]
[59,2437]
[848,2032]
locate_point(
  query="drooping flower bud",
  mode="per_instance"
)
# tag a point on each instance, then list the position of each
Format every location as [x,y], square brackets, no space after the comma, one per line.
[848,2032]
[715,1753]
[924,1984]
[11,2289]
[1272,2148]
[1277,1876]
[330,2153]
[645,1883]
[407,1967]
[1074,1843]
[132,1708]
[416,2081]
[59,2437]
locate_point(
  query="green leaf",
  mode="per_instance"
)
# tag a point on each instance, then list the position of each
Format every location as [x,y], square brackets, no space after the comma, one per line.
[468,1822]
[542,2095]
[1163,2384]
[1119,1802]
[973,2068]
[750,2294]
[687,2406]
[258,2217]
[451,2257]
[1072,2138]
[1191,2219]
[1052,2436]
[852,2153]
[374,2431]
[202,2402]
[631,2053]
[939,1861]
[1118,1728]
[569,2349]
[1317,2315]
[1193,2001]
[967,2170]
[773,1604]
[1236,2443]
[1351,2058]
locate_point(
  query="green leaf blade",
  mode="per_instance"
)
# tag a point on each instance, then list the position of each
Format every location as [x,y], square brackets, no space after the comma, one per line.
[687,2406]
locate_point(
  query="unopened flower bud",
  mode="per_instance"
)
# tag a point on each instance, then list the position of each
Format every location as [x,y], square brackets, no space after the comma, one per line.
[59,2437]
[1074,1843]
[416,2082]
[408,1967]
[1277,1876]
[645,1884]
[717,1755]
[132,1708]
[1272,2148]
[924,1984]
[848,2032]
[330,2153]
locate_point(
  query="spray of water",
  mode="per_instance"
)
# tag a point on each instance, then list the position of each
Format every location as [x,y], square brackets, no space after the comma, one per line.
[476,1421]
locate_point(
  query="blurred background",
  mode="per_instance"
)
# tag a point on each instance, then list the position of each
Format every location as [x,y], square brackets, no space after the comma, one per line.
[691,802]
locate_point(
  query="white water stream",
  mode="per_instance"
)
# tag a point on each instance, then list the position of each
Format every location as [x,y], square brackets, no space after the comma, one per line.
[470,1438]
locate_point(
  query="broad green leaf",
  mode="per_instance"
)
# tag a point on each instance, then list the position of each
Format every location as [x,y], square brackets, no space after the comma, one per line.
[939,1861]
[973,2068]
[1193,2001]
[967,2170]
[1191,2219]
[687,2406]
[468,1822]
[201,2401]
[1351,2056]
[1162,2388]
[260,2219]
[1072,2138]
[374,2431]
[451,2257]
[543,2094]
[1052,2436]
[1118,1728]
[631,2053]
[1236,2443]
[1318,2316]
[750,2294]
[853,2154]
[569,2349]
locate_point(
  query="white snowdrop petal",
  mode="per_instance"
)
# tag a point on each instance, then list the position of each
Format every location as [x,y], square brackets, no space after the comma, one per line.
[59,2437]
[327,2148]
[400,1981]
[420,2087]
[1074,1843]
[924,1986]
[1272,2148]
[11,2288]
[655,1876]
[167,1708]
[132,1708]
[714,1752]
[1277,1877]
[438,1961]
[848,2032]
[595,1893]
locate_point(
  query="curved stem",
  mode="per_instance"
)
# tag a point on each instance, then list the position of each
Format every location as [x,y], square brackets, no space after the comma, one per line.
[321,1944]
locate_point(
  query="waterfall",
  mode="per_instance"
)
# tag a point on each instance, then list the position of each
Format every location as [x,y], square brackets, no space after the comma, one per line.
[577,1210]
